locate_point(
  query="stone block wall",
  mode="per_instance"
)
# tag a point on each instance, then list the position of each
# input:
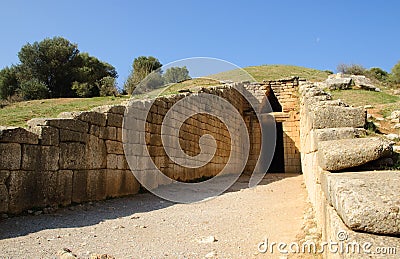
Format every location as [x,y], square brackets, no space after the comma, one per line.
[80,157]
[333,140]
[286,91]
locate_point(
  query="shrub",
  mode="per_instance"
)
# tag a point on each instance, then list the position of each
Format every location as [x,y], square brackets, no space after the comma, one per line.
[108,86]
[33,89]
[353,69]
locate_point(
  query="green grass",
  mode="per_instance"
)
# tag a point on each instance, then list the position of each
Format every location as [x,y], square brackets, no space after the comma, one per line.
[275,72]
[363,97]
[17,114]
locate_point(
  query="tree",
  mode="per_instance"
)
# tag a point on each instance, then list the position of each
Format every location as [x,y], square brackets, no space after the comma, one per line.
[395,75]
[88,73]
[8,82]
[141,67]
[353,69]
[108,86]
[176,74]
[52,62]
[378,74]
[33,89]
[152,81]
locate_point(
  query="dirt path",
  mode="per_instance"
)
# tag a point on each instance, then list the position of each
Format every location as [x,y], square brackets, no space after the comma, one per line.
[144,226]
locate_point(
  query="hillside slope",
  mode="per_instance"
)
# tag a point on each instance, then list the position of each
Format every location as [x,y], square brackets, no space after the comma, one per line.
[17,114]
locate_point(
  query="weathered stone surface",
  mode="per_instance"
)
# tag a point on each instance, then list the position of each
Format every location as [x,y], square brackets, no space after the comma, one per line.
[359,244]
[338,83]
[363,82]
[22,191]
[61,123]
[29,189]
[392,136]
[10,156]
[339,133]
[4,199]
[104,132]
[337,117]
[72,156]
[367,201]
[48,136]
[38,158]
[114,147]
[91,117]
[346,153]
[95,153]
[116,162]
[17,135]
[114,120]
[89,185]
[73,136]
[117,109]
[121,182]
[395,115]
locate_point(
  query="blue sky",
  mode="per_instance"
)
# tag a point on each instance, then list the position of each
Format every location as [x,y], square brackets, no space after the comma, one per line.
[316,34]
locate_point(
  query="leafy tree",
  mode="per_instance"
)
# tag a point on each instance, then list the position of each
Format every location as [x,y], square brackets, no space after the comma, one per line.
[33,89]
[152,81]
[82,89]
[88,73]
[50,61]
[395,75]
[8,82]
[108,86]
[176,74]
[377,73]
[141,67]
[353,69]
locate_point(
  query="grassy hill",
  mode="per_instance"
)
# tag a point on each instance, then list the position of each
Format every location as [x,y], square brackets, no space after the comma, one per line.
[17,114]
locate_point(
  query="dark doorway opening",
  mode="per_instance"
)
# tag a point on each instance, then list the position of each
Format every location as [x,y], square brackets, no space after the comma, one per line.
[278,161]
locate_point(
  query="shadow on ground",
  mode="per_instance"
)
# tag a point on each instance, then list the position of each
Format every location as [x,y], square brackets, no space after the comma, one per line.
[95,212]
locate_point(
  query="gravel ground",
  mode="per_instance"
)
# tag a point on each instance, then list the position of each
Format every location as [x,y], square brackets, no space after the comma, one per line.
[145,226]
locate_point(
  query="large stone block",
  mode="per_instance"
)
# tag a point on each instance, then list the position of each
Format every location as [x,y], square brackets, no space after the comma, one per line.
[327,116]
[48,136]
[30,189]
[60,123]
[337,155]
[91,117]
[73,136]
[366,201]
[116,109]
[17,135]
[121,183]
[39,158]
[73,156]
[338,83]
[116,162]
[10,156]
[89,185]
[114,120]
[114,147]
[4,199]
[339,133]
[22,191]
[95,153]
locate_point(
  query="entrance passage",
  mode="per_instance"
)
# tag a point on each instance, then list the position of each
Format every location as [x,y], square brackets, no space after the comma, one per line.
[278,163]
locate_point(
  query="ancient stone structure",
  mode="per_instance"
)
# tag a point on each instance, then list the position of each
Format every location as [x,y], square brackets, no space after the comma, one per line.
[355,208]
[80,156]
